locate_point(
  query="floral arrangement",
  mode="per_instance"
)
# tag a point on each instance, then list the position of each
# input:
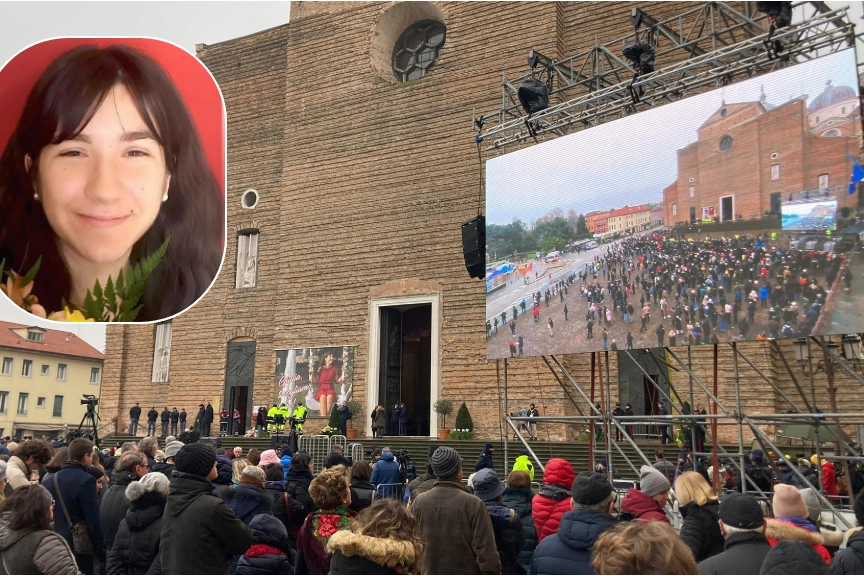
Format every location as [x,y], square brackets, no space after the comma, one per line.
[461,434]
[330,431]
[118,301]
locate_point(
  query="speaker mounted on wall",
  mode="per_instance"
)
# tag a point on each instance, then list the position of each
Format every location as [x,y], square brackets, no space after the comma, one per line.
[474,246]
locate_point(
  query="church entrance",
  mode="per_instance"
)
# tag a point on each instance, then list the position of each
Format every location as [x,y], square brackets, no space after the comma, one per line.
[403,365]
[239,378]
[727,208]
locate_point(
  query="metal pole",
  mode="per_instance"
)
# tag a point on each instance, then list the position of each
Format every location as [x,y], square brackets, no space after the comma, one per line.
[506,412]
[692,423]
[765,378]
[591,423]
[738,408]
[832,397]
[515,429]
[791,375]
[816,423]
[714,441]
[606,421]
[563,387]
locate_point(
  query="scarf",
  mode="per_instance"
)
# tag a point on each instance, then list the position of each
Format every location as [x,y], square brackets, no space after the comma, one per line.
[325,523]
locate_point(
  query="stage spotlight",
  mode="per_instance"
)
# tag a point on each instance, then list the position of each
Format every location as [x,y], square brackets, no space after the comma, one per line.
[641,56]
[534,96]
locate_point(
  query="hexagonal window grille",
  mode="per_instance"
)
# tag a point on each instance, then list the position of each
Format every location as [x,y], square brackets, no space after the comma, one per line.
[417,50]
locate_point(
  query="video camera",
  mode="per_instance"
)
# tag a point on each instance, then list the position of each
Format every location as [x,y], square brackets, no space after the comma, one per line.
[90,401]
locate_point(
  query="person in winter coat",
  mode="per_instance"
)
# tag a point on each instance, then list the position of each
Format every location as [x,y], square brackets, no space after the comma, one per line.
[791,521]
[649,501]
[136,544]
[285,459]
[271,551]
[362,489]
[27,458]
[793,557]
[167,467]
[199,531]
[642,548]
[518,497]
[27,543]
[224,473]
[61,455]
[743,526]
[380,421]
[850,560]
[331,495]
[665,466]
[114,506]
[425,481]
[286,509]
[832,536]
[553,501]
[386,472]
[247,499]
[485,458]
[509,536]
[383,539]
[700,509]
[829,481]
[568,551]
[523,463]
[298,480]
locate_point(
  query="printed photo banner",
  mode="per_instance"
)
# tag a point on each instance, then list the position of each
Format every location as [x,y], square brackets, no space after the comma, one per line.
[319,378]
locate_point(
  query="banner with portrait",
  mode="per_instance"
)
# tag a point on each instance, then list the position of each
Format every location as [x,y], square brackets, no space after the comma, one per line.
[318,378]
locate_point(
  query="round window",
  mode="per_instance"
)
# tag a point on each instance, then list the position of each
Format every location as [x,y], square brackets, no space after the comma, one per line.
[774,156]
[250,199]
[417,49]
[726,143]
[723,112]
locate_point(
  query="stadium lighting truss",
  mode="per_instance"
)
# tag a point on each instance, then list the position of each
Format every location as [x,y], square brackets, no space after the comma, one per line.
[721,46]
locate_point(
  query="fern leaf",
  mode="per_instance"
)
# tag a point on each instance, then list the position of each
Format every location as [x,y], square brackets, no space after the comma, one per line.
[92,308]
[110,298]
[136,278]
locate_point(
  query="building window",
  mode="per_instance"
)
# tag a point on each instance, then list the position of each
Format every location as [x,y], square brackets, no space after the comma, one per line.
[823,181]
[61,372]
[247,260]
[833,132]
[775,171]
[162,352]
[692,191]
[27,368]
[7,366]
[34,336]
[94,375]
[726,143]
[674,209]
[250,199]
[23,401]
[417,50]
[842,110]
[46,369]
[40,402]
[4,402]
[58,407]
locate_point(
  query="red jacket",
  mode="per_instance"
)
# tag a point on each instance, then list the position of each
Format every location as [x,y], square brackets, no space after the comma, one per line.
[829,481]
[553,501]
[643,506]
[778,530]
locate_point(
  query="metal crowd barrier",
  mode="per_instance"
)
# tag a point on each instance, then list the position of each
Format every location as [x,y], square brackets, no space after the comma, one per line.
[355,451]
[389,491]
[318,447]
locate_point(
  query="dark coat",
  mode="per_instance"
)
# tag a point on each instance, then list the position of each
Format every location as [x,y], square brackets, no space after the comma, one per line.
[509,536]
[361,495]
[114,505]
[291,517]
[386,470]
[743,553]
[208,414]
[165,416]
[312,557]
[199,532]
[79,493]
[700,530]
[164,468]
[851,559]
[297,485]
[519,499]
[667,468]
[484,461]
[152,415]
[360,554]
[136,544]
[246,501]
[224,472]
[794,557]
[421,484]
[569,550]
[270,552]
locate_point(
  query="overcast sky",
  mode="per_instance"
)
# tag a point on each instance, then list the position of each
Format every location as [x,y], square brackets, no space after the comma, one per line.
[184,23]
[629,161]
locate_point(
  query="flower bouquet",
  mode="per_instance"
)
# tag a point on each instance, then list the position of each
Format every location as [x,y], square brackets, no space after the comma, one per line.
[461,434]
[330,431]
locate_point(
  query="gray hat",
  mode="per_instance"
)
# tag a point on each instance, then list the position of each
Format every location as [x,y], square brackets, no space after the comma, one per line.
[2,470]
[487,485]
[814,508]
[446,462]
[652,481]
[172,448]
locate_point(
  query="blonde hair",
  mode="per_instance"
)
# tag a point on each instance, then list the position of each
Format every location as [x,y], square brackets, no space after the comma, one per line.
[387,519]
[692,487]
[237,466]
[642,548]
[330,489]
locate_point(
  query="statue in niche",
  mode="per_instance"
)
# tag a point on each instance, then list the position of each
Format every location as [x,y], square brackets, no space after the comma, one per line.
[249,273]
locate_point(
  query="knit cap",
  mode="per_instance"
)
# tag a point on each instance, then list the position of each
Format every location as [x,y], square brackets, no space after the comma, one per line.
[814,507]
[252,475]
[197,459]
[446,462]
[172,448]
[150,482]
[652,481]
[268,457]
[788,502]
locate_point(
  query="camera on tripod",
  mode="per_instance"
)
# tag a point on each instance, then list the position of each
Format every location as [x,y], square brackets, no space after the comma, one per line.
[90,401]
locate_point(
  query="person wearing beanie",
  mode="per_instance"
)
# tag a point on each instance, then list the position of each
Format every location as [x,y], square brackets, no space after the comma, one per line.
[568,551]
[267,457]
[285,458]
[850,560]
[248,498]
[553,500]
[485,459]
[198,529]
[649,501]
[171,450]
[271,551]
[136,544]
[425,481]
[509,536]
[742,524]
[454,525]
[832,536]
[523,463]
[791,521]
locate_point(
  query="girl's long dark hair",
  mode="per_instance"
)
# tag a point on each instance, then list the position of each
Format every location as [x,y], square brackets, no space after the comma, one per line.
[61,104]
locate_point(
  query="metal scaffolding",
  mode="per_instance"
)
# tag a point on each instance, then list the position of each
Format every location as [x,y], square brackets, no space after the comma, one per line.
[714,44]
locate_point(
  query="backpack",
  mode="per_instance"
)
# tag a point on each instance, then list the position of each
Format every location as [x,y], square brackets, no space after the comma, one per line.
[625,516]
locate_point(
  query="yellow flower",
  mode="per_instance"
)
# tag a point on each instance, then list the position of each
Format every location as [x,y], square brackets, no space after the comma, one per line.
[68,316]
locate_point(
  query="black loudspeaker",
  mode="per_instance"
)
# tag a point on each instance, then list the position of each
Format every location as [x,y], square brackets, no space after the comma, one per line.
[215,443]
[474,246]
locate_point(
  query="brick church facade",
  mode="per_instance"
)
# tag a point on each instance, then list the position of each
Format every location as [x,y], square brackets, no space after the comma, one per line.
[350,187]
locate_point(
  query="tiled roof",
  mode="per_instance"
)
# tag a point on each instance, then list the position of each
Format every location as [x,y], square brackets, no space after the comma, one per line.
[629,210]
[54,342]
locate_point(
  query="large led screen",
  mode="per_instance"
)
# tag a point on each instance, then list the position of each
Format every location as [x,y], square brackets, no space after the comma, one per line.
[720,217]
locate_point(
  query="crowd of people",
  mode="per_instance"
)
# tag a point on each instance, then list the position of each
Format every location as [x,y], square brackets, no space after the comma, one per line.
[184,509]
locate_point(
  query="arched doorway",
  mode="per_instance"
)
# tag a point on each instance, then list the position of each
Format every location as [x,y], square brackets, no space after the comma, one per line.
[239,379]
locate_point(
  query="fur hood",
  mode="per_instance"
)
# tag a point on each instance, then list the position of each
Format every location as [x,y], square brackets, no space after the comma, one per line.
[831,535]
[382,551]
[783,531]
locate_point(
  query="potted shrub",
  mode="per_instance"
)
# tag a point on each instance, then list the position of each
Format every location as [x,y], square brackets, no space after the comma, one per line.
[354,408]
[464,424]
[444,408]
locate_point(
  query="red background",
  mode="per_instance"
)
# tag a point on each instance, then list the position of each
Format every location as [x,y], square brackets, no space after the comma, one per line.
[198,89]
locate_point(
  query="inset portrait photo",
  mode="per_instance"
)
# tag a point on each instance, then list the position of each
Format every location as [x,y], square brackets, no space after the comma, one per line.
[112,179]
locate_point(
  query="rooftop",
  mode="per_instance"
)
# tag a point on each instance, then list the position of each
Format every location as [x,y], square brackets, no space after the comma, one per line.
[52,341]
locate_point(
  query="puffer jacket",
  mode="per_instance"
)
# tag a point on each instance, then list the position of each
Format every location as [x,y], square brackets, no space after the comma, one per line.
[270,552]
[114,505]
[136,544]
[829,481]
[851,559]
[386,470]
[569,550]
[796,529]
[35,552]
[643,507]
[553,501]
[793,557]
[484,461]
[246,501]
[291,517]
[164,468]
[286,464]
[519,499]
[225,472]
[700,530]
[509,536]
[297,485]
[421,484]
[360,554]
[361,495]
